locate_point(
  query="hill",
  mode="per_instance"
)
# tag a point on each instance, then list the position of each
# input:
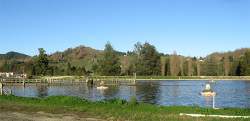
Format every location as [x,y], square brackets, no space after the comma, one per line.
[79,56]
[13,55]
[86,58]
[230,54]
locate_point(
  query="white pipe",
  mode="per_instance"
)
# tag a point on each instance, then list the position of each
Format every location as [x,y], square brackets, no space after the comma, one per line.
[213,102]
[220,116]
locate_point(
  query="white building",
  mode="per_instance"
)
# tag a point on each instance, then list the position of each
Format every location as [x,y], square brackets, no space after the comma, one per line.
[7,74]
[12,75]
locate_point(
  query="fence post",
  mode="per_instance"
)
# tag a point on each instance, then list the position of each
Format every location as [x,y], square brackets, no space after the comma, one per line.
[1,89]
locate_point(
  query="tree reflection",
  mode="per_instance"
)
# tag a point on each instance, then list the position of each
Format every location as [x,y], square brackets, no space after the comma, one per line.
[111,92]
[42,90]
[148,92]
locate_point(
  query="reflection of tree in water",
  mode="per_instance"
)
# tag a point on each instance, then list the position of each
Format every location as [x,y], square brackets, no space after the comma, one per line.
[111,92]
[90,91]
[175,89]
[42,90]
[247,88]
[148,92]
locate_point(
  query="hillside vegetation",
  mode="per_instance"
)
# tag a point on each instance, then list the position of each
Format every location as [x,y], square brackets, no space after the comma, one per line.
[144,60]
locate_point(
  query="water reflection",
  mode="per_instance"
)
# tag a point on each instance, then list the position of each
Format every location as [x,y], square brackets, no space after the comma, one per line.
[229,93]
[148,92]
[208,101]
[42,90]
[111,92]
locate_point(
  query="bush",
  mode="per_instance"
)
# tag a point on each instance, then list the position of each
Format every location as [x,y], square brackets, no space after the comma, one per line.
[132,100]
[116,101]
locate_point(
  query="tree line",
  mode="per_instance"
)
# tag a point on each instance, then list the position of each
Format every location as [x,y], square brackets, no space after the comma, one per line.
[144,60]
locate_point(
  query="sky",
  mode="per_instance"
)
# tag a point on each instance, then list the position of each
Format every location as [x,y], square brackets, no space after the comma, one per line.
[189,27]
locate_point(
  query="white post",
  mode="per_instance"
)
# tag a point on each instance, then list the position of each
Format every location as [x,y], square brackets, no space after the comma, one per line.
[1,89]
[134,77]
[23,82]
[87,79]
[213,103]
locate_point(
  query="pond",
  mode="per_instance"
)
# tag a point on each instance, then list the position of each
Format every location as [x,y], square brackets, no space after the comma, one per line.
[178,92]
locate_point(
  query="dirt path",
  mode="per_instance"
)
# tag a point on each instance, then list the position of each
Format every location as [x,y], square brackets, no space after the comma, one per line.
[42,116]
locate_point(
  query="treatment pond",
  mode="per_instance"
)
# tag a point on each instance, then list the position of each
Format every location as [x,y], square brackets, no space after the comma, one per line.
[180,92]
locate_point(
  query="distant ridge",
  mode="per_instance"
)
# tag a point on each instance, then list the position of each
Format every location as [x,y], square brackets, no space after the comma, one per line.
[77,53]
[81,52]
[234,54]
[13,55]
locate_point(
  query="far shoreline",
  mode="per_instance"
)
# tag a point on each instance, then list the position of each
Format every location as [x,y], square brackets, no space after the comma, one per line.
[192,79]
[151,78]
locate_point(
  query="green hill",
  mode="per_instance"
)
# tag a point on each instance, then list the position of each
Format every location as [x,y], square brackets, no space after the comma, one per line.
[13,55]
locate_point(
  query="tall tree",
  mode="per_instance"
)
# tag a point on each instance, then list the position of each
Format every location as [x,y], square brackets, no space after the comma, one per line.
[210,67]
[181,66]
[163,66]
[198,68]
[245,63]
[125,64]
[148,61]
[137,49]
[109,64]
[167,68]
[69,69]
[189,67]
[42,62]
[174,64]
[226,66]
[5,66]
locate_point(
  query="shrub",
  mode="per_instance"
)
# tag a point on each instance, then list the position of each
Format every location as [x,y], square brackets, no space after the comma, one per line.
[132,100]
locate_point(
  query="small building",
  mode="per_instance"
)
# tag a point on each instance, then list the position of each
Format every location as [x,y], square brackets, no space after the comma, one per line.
[20,76]
[9,74]
[6,74]
[12,75]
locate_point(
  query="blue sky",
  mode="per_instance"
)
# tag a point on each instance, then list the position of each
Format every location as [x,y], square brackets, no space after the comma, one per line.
[191,27]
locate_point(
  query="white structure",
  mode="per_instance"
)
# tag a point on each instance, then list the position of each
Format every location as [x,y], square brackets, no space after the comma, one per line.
[208,87]
[1,89]
[12,74]
[7,74]
[20,75]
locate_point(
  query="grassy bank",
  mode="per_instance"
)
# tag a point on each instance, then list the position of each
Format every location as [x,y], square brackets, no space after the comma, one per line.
[113,109]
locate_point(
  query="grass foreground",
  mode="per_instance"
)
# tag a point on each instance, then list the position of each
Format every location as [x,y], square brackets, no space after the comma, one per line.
[115,109]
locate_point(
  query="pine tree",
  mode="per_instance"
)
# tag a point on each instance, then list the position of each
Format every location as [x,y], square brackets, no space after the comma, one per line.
[109,64]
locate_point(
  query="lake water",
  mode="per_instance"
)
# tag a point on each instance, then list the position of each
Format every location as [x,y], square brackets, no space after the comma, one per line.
[181,92]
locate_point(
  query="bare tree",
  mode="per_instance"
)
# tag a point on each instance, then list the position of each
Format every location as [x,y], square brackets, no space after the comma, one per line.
[174,64]
[198,66]
[226,66]
[181,63]
[190,69]
[163,66]
[125,65]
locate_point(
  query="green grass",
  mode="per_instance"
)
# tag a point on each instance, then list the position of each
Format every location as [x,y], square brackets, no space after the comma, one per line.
[115,109]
